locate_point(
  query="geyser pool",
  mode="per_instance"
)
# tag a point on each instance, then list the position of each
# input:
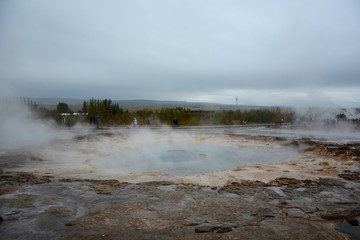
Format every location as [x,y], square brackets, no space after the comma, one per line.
[179,152]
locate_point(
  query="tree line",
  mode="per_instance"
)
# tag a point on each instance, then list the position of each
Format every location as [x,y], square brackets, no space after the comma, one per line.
[110,113]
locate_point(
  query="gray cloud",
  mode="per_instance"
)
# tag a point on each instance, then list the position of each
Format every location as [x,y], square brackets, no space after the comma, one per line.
[179,50]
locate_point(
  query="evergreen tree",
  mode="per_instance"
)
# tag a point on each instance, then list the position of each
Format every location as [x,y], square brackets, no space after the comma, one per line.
[63,108]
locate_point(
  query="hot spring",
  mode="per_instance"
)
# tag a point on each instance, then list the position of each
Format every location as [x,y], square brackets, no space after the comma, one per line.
[179,152]
[176,152]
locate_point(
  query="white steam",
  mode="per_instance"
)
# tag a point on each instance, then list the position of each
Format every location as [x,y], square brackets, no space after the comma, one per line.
[19,127]
[125,150]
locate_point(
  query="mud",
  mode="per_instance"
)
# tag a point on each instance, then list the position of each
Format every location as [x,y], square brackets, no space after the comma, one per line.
[316,196]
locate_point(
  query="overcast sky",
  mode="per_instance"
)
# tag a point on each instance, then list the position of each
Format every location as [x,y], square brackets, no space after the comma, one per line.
[279,52]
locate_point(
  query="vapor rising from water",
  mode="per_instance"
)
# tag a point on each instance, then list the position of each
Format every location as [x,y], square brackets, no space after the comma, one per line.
[19,127]
[127,150]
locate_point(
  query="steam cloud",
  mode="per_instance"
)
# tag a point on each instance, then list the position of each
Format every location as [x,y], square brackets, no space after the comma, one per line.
[20,128]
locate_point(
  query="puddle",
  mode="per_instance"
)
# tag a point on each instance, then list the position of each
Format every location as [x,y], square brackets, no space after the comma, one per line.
[347,228]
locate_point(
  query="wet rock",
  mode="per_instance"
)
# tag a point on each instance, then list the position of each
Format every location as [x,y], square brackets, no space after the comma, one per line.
[196,220]
[278,190]
[204,228]
[306,183]
[344,215]
[238,187]
[169,188]
[300,189]
[59,211]
[17,159]
[7,189]
[262,212]
[308,141]
[109,182]
[94,136]
[103,189]
[154,185]
[100,186]
[106,186]
[294,143]
[21,201]
[145,214]
[279,139]
[285,181]
[331,182]
[296,213]
[333,216]
[69,224]
[24,177]
[338,151]
[352,176]
[259,215]
[352,221]
[355,212]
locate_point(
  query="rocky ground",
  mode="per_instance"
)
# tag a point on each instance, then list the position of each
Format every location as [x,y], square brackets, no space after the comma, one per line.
[320,201]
